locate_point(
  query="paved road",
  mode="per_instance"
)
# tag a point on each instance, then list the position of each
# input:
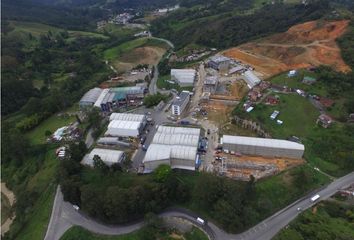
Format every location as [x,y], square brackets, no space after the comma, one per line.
[152,86]
[164,40]
[64,216]
[89,139]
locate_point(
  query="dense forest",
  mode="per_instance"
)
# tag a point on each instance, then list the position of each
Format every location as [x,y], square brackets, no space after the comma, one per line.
[206,27]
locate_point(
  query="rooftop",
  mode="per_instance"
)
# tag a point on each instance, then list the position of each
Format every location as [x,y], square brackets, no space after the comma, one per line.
[181,98]
[124,124]
[264,142]
[184,75]
[251,79]
[219,58]
[127,117]
[211,80]
[92,95]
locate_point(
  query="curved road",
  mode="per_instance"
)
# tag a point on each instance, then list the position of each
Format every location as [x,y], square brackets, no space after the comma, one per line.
[64,216]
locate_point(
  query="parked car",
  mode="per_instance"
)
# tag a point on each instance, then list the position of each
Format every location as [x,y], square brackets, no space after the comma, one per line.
[208,131]
[142,140]
[76,207]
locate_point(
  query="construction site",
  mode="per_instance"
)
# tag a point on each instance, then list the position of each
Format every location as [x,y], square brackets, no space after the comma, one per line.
[241,167]
[304,45]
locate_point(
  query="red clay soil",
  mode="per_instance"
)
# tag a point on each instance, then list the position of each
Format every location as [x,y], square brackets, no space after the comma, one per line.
[304,45]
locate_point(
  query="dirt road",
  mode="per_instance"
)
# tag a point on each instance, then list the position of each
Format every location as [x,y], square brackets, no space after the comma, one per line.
[11,197]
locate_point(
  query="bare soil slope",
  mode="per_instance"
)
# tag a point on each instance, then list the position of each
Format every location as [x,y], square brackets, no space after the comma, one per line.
[141,55]
[304,45]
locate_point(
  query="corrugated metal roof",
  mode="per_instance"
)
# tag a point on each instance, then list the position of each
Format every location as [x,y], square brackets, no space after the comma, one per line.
[219,58]
[127,117]
[176,139]
[251,79]
[101,97]
[182,98]
[264,142]
[119,124]
[178,130]
[157,152]
[184,75]
[107,155]
[92,95]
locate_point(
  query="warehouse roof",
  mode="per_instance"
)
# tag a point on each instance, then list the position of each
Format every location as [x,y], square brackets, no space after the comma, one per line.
[181,98]
[158,152]
[251,79]
[219,58]
[92,95]
[107,155]
[184,75]
[264,142]
[101,97]
[211,80]
[127,117]
[122,92]
[236,69]
[124,124]
[176,139]
[178,130]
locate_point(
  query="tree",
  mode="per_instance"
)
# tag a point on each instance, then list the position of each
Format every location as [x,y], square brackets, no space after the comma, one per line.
[99,164]
[162,172]
[47,133]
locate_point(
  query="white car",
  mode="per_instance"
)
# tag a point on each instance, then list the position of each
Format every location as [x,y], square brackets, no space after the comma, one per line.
[76,207]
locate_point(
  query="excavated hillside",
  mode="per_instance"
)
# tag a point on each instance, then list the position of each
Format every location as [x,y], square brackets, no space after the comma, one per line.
[303,45]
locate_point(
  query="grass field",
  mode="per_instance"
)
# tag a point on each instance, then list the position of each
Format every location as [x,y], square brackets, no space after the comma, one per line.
[297,113]
[328,220]
[78,233]
[36,29]
[37,135]
[5,208]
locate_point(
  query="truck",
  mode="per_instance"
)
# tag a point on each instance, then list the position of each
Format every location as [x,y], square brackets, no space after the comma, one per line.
[315,198]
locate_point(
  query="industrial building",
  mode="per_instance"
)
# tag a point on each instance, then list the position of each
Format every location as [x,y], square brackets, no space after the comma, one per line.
[128,96]
[263,146]
[89,99]
[180,103]
[219,62]
[184,77]
[125,125]
[251,79]
[210,84]
[106,100]
[174,146]
[108,156]
[237,70]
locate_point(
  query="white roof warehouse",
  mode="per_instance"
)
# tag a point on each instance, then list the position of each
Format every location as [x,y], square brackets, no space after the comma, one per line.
[184,77]
[174,146]
[108,156]
[263,146]
[125,125]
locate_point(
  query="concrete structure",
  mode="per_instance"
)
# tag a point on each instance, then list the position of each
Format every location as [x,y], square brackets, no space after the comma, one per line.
[219,62]
[180,103]
[210,84]
[184,77]
[251,79]
[263,146]
[108,156]
[89,99]
[128,96]
[174,146]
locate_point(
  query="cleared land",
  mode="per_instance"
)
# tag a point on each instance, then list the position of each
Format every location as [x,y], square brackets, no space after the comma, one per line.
[303,45]
[138,51]
[5,208]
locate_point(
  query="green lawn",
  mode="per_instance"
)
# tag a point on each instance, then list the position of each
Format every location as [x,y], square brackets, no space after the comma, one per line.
[330,220]
[37,135]
[36,29]
[296,82]
[116,52]
[297,113]
[36,227]
[78,233]
[5,208]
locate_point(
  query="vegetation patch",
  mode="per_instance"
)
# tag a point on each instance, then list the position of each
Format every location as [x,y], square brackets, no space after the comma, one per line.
[330,220]
[5,208]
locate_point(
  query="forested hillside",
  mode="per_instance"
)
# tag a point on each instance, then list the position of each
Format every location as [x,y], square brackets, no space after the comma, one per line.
[207,26]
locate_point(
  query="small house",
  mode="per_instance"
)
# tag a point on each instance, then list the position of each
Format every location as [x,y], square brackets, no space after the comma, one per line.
[324,120]
[272,100]
[309,80]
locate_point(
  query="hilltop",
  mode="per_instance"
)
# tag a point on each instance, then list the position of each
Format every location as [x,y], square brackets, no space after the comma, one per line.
[304,45]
